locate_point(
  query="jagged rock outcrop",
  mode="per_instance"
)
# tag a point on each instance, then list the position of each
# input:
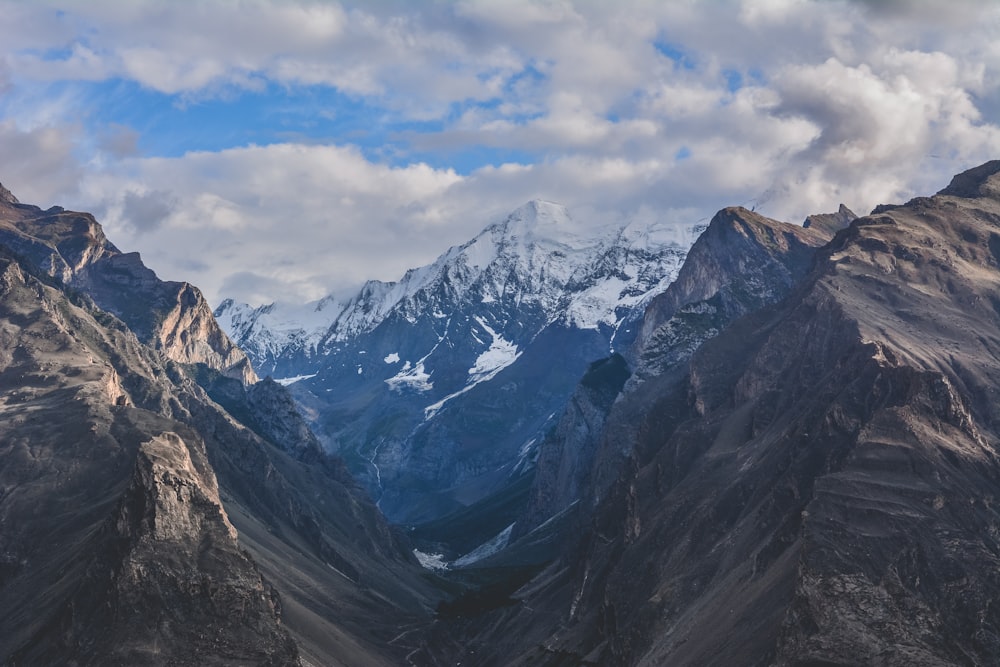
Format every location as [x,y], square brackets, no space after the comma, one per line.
[818,486]
[830,223]
[741,262]
[6,196]
[171,316]
[114,552]
[121,486]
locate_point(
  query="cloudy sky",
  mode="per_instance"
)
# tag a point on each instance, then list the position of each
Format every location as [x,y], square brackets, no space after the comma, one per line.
[281,150]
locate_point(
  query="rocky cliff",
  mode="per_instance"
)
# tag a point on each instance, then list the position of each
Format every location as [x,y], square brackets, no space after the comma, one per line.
[170,316]
[742,262]
[115,546]
[141,522]
[817,485]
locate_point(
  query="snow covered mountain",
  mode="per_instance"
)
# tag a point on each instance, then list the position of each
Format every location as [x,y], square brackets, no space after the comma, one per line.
[437,388]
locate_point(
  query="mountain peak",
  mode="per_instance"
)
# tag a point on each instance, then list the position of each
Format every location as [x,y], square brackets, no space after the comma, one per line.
[981,181]
[545,222]
[6,196]
[830,223]
[540,209]
[536,215]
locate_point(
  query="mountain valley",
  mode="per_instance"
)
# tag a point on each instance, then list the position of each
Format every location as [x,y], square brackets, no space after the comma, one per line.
[749,443]
[436,390]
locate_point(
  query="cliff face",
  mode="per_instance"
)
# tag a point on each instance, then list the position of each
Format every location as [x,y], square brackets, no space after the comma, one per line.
[115,546]
[818,484]
[141,522]
[171,316]
[742,262]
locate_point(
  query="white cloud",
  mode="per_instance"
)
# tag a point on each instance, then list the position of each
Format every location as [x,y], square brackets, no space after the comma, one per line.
[792,105]
[38,164]
[311,217]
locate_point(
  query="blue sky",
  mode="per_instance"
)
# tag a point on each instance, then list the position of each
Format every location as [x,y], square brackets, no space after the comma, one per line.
[280,150]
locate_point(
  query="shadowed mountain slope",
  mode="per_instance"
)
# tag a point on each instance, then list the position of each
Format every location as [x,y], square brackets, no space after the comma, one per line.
[742,262]
[141,522]
[818,485]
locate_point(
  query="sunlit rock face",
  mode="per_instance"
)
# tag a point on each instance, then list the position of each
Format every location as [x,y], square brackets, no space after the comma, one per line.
[171,316]
[159,511]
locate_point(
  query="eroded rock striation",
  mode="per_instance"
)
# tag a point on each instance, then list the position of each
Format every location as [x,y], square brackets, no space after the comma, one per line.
[816,485]
[143,523]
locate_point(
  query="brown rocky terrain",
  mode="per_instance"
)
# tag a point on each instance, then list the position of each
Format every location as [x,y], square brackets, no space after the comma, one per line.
[143,523]
[816,486]
[170,316]
[115,547]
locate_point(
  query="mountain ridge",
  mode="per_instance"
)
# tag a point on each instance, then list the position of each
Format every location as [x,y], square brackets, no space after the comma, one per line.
[72,248]
[526,304]
[817,484]
[516,238]
[742,262]
[141,522]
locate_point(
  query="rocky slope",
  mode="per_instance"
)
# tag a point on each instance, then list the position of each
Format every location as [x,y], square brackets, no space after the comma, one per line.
[171,316]
[817,485]
[438,388]
[141,522]
[742,262]
[116,549]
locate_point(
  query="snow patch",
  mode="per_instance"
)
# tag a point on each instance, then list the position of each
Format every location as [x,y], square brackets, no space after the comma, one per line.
[501,354]
[284,382]
[597,305]
[415,378]
[486,549]
[430,561]
[524,456]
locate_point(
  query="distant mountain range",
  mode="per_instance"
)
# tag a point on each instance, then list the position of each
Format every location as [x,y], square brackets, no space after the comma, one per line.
[438,388]
[776,446]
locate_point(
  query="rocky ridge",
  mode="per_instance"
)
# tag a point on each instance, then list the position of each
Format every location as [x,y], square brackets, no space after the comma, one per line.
[141,522]
[742,262]
[170,316]
[816,485]
[101,516]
